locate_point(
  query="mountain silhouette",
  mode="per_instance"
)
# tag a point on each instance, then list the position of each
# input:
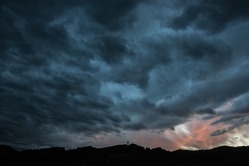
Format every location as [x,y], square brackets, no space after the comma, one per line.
[124,155]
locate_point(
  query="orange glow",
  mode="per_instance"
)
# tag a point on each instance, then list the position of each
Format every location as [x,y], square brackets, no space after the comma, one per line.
[197,137]
[194,134]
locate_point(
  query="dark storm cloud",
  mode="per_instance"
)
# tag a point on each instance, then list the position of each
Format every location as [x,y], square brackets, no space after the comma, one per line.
[219,132]
[160,50]
[111,48]
[46,81]
[237,116]
[209,94]
[197,47]
[155,52]
[74,69]
[211,15]
[233,121]
[114,15]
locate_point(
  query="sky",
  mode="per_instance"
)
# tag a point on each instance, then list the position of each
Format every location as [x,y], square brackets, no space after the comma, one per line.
[171,74]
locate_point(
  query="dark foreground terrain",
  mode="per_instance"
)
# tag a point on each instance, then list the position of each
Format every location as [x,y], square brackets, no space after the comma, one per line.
[124,155]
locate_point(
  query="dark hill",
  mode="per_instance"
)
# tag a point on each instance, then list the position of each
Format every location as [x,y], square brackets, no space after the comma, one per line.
[123,155]
[6,150]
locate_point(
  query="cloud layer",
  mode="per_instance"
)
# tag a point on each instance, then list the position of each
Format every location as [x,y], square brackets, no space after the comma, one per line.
[73,70]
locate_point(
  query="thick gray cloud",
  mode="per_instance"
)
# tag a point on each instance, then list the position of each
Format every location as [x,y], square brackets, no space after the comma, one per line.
[87,67]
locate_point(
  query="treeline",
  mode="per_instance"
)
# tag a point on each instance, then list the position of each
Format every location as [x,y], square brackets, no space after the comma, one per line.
[124,155]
